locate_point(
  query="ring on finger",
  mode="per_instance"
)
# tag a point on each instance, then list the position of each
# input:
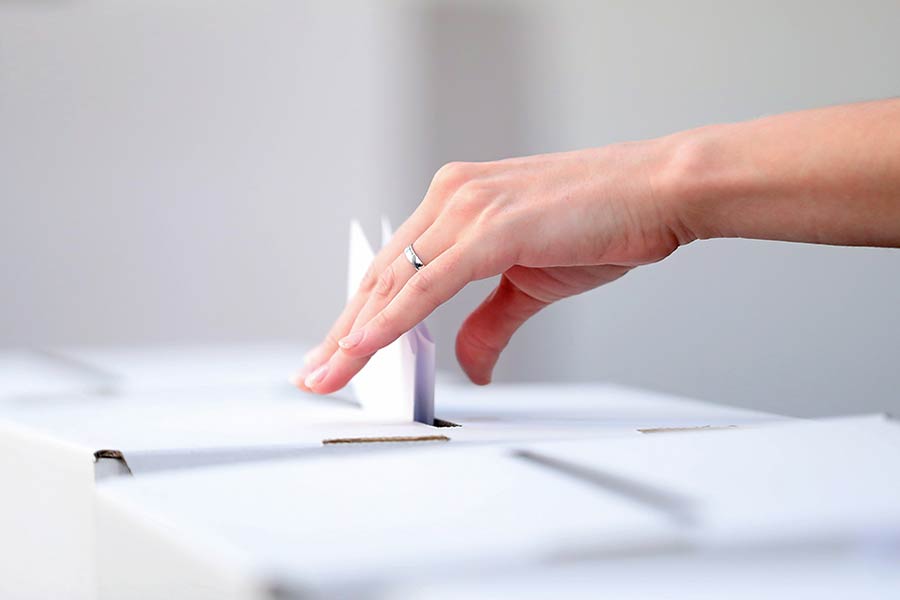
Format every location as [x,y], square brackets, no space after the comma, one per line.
[413,258]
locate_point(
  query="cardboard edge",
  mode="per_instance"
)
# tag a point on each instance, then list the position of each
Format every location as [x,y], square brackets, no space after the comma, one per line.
[110,463]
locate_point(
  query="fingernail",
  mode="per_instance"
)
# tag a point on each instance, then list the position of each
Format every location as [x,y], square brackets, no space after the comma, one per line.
[351,340]
[316,376]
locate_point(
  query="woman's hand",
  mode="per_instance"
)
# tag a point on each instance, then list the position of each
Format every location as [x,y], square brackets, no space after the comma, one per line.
[553,226]
[559,224]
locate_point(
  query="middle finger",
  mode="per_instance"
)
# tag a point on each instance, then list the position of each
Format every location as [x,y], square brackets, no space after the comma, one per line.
[341,367]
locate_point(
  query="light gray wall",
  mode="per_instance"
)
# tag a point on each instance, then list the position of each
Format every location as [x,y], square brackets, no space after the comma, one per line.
[185,171]
[182,170]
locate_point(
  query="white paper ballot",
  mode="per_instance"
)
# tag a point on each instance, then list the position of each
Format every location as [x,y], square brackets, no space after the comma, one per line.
[398,382]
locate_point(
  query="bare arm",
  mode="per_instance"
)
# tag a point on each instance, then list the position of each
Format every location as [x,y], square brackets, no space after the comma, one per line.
[556,225]
[828,176]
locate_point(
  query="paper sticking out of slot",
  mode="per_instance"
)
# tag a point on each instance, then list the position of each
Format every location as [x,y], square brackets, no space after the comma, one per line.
[397,384]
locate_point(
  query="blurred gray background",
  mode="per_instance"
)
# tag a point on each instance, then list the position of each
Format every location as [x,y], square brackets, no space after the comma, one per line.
[186,171]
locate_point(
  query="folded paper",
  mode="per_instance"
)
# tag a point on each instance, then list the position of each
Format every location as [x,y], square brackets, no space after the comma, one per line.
[398,382]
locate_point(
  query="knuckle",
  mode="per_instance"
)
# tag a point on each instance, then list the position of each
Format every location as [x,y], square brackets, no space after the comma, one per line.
[421,284]
[495,249]
[385,282]
[471,199]
[452,262]
[369,280]
[331,339]
[449,171]
[500,217]
[381,322]
[477,192]
[489,215]
[452,174]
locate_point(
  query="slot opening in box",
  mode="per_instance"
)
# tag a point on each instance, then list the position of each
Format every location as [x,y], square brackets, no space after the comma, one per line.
[386,439]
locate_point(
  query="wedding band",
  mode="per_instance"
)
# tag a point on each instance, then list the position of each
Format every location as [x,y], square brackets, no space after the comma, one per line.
[413,258]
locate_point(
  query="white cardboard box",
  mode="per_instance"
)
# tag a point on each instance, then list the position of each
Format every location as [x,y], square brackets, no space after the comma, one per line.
[342,526]
[51,455]
[823,482]
[54,451]
[365,525]
[166,408]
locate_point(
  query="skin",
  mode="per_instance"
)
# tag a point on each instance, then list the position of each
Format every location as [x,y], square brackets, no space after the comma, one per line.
[556,225]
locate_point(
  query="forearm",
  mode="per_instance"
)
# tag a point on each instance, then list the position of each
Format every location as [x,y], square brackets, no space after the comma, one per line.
[557,225]
[829,176]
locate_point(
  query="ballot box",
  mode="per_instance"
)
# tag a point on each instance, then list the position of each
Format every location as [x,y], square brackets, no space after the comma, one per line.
[823,482]
[341,526]
[811,493]
[808,511]
[53,453]
[130,412]
[55,449]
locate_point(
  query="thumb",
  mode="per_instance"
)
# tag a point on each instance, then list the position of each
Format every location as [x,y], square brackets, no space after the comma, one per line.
[487,331]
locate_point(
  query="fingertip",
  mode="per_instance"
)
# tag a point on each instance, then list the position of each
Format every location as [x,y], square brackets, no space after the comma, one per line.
[479,372]
[358,344]
[316,377]
[297,379]
[328,387]
[335,373]
[365,342]
[477,363]
[351,340]
[480,379]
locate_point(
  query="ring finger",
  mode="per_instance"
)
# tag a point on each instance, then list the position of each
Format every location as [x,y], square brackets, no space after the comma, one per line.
[341,367]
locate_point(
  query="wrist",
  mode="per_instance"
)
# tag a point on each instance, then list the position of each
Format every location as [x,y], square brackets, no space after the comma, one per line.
[696,182]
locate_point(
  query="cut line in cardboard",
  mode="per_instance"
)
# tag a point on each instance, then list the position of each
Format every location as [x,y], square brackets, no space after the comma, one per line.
[679,508]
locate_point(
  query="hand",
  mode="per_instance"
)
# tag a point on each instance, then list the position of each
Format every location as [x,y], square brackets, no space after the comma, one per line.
[556,225]
[552,225]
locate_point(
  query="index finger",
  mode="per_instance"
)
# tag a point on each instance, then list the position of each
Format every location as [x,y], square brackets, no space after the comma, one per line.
[427,289]
[411,229]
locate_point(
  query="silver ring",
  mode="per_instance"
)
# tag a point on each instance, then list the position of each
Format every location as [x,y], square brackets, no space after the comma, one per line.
[413,258]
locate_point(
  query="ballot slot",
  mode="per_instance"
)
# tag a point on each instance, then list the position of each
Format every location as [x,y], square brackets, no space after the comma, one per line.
[110,463]
[387,439]
[380,439]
